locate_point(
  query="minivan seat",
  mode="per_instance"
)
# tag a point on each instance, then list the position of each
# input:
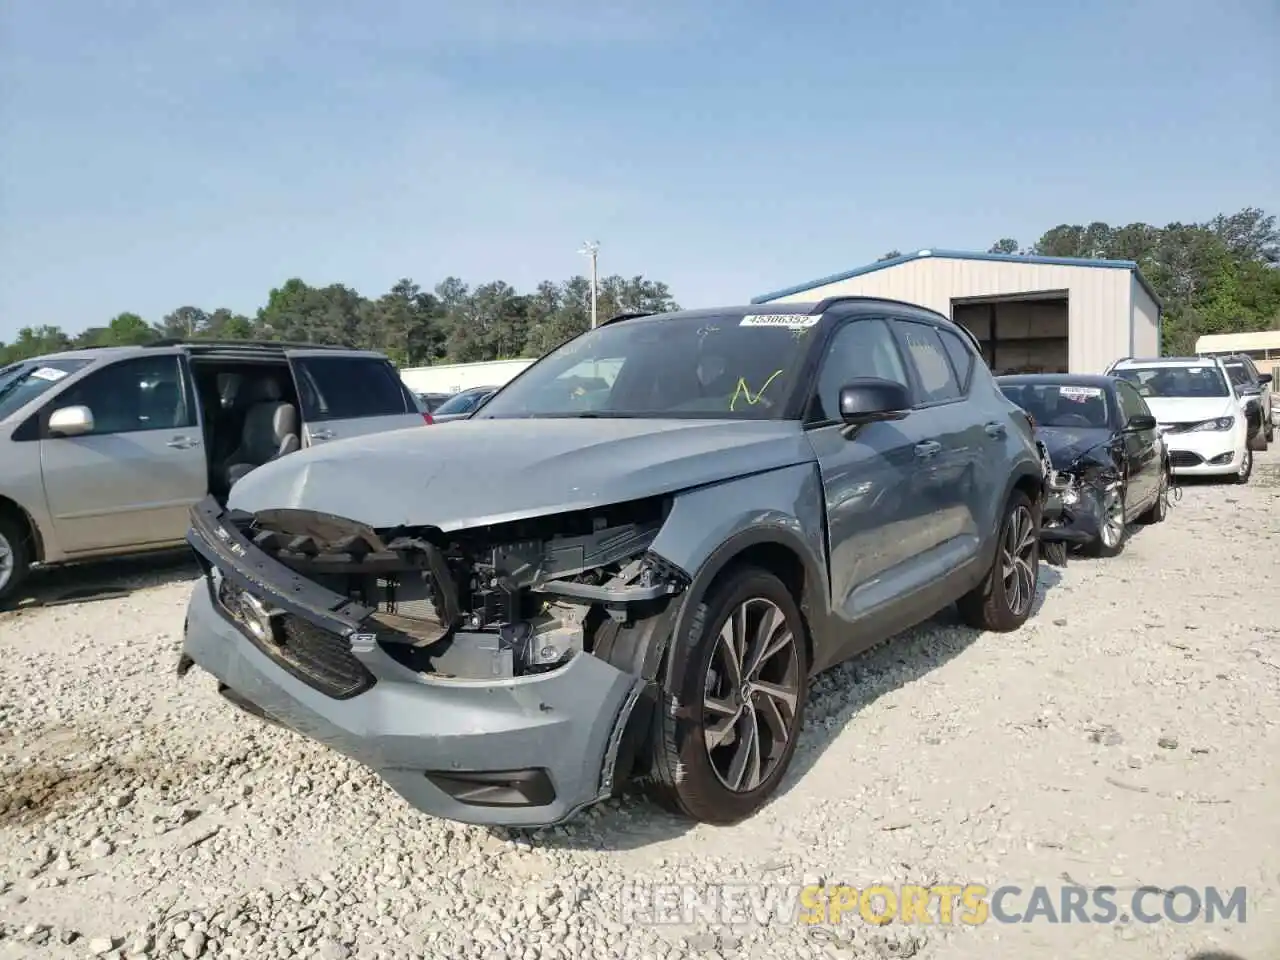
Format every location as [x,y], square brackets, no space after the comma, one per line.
[270,431]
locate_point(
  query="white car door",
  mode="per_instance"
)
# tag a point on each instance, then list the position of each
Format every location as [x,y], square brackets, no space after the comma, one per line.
[350,394]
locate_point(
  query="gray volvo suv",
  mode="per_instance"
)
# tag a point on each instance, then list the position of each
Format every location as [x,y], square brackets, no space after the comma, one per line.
[629,562]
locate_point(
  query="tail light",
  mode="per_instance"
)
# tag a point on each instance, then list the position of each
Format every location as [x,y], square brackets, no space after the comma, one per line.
[426,418]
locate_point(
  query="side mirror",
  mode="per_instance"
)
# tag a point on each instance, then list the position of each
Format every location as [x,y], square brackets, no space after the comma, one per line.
[871,399]
[1140,422]
[1265,378]
[71,421]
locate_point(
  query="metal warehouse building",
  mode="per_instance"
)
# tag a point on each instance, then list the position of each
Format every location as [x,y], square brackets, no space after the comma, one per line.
[1031,314]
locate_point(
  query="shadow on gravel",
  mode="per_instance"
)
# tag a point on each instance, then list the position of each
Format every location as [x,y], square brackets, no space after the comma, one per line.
[104,579]
[1215,955]
[845,690]
[636,822]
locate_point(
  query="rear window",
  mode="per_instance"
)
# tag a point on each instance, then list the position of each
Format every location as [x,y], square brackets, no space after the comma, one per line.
[22,383]
[347,388]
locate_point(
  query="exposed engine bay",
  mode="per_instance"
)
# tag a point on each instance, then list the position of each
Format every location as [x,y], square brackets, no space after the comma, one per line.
[500,601]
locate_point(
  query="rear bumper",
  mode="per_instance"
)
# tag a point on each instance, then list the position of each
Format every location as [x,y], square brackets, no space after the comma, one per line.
[529,751]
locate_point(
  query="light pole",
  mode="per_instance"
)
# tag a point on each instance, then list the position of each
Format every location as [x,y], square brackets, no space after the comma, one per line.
[592,249]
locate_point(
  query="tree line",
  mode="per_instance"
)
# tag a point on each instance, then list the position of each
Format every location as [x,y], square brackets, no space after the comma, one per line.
[1220,276]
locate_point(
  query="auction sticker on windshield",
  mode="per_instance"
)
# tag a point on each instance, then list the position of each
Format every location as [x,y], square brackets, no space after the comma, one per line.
[789,321]
[51,374]
[1079,394]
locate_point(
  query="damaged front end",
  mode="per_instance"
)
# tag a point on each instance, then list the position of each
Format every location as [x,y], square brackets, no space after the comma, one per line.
[465,667]
[499,602]
[1079,499]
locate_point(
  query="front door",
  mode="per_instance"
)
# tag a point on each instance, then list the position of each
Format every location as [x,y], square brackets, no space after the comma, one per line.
[1141,452]
[349,395]
[870,475]
[131,482]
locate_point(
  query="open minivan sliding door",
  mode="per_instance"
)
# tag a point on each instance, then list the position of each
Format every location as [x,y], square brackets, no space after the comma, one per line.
[349,394]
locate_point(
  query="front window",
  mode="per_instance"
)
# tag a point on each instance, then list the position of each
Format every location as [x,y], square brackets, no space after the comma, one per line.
[1062,404]
[21,384]
[722,366]
[1206,381]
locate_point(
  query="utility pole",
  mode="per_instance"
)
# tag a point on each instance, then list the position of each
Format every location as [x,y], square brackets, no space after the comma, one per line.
[592,249]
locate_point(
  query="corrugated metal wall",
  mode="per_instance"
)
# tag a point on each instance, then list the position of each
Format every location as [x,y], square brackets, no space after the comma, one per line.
[1146,321]
[1100,306]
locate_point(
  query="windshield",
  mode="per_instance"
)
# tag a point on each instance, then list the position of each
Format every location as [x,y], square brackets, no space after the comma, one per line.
[1061,404]
[20,386]
[1238,374]
[1177,381]
[724,366]
[463,402]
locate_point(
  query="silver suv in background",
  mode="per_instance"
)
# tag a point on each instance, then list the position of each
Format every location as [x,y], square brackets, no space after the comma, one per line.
[104,451]
[1254,390]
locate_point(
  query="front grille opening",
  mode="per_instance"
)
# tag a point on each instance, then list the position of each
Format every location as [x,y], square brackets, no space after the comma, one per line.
[319,658]
[1185,458]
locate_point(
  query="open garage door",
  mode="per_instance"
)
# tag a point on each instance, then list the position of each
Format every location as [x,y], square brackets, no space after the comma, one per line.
[1024,334]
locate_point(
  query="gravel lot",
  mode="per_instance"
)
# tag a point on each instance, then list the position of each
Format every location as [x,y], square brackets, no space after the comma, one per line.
[1129,734]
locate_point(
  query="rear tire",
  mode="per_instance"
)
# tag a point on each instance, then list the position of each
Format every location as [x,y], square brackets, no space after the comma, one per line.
[15,557]
[1003,600]
[702,763]
[1160,509]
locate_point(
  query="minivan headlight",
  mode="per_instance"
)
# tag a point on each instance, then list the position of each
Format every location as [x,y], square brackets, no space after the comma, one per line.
[1220,423]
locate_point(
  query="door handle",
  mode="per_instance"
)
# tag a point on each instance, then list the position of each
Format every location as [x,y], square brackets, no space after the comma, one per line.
[927,449]
[182,443]
[995,429]
[321,434]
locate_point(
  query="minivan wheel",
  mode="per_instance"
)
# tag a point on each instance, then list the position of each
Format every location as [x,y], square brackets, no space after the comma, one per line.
[1003,600]
[743,693]
[15,559]
[1245,470]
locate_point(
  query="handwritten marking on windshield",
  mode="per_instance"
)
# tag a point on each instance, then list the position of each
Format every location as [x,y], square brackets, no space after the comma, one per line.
[743,391]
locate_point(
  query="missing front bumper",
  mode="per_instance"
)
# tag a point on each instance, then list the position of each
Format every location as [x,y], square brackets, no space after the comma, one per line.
[467,750]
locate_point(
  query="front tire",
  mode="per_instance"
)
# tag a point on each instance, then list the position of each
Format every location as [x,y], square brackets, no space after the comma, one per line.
[1003,601]
[1111,537]
[15,558]
[1259,440]
[1245,471]
[724,737]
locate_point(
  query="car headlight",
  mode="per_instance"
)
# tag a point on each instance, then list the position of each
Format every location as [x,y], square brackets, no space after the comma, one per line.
[250,613]
[1220,423]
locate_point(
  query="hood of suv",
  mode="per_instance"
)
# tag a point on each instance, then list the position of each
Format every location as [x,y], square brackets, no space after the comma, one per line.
[1169,410]
[477,472]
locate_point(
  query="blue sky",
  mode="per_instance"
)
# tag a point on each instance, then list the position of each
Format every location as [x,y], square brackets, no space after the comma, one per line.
[157,153]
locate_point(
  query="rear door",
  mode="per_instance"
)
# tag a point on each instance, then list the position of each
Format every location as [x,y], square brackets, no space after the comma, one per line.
[350,394]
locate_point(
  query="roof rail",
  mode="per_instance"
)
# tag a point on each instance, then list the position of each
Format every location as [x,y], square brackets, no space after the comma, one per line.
[617,317]
[244,344]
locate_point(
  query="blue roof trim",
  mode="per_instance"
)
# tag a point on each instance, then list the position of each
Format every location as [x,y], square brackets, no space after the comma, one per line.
[930,253]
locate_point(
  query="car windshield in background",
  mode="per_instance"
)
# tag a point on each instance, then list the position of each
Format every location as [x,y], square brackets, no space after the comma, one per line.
[1238,374]
[1061,404]
[1157,382]
[20,386]
[463,402]
[723,366]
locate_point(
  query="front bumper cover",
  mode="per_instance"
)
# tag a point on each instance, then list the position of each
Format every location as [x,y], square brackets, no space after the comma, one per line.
[523,752]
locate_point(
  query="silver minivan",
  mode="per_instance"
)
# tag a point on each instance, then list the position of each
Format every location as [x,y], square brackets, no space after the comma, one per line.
[104,451]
